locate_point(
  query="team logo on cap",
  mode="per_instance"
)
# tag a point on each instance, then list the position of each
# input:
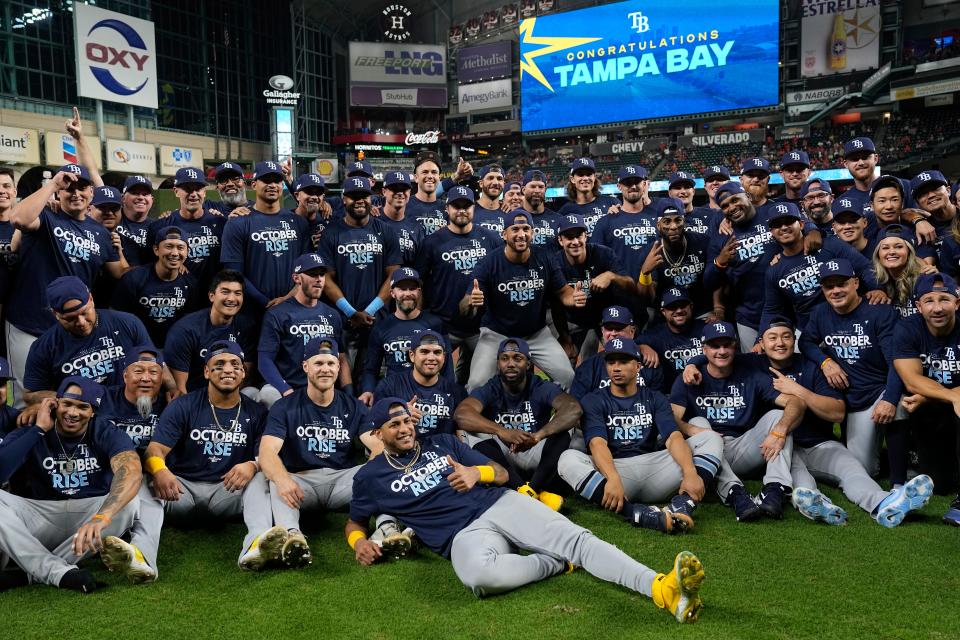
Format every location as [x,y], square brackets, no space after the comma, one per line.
[719,328]
[272,166]
[357,183]
[924,176]
[74,169]
[616,343]
[782,208]
[794,155]
[832,266]
[846,203]
[674,292]
[856,143]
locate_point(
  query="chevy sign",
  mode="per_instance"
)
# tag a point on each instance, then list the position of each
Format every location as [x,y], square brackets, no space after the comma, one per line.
[116,57]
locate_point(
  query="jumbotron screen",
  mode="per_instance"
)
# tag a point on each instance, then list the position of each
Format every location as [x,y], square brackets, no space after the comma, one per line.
[648,59]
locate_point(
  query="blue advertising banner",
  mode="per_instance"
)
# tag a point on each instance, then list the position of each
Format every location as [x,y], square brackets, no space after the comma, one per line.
[648,59]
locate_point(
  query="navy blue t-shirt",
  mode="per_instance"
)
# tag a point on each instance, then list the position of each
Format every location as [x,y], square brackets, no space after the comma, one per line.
[157,303]
[489,219]
[731,405]
[630,426]
[422,498]
[545,229]
[675,349]
[528,411]
[813,430]
[116,410]
[627,234]
[430,215]
[8,258]
[99,356]
[410,236]
[939,356]
[62,246]
[200,449]
[686,272]
[288,326]
[8,420]
[599,259]
[316,437]
[591,375]
[437,403]
[133,240]
[265,247]
[516,296]
[592,212]
[203,253]
[359,256]
[188,339]
[389,346]
[700,220]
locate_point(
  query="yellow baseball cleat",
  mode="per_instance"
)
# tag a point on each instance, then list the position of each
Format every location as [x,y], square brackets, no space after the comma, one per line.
[527,490]
[552,500]
[265,548]
[123,557]
[679,591]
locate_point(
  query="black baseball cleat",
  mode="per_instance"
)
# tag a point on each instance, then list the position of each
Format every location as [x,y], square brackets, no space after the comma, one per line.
[13,578]
[681,509]
[78,580]
[647,517]
[771,500]
[743,505]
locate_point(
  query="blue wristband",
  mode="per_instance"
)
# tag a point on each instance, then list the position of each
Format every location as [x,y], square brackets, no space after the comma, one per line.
[345,307]
[375,305]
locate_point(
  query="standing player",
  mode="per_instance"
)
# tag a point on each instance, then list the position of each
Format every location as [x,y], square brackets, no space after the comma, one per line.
[545,220]
[713,177]
[135,406]
[860,158]
[634,226]
[8,250]
[583,194]
[816,199]
[137,201]
[409,231]
[480,527]
[931,191]
[232,189]
[677,339]
[795,170]
[487,214]
[309,190]
[424,206]
[755,178]
[682,186]
[887,198]
[529,420]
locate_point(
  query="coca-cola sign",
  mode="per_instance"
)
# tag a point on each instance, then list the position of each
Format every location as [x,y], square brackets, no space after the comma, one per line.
[430,137]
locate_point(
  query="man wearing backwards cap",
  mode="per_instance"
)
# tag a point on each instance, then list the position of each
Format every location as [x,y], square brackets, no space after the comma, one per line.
[135,406]
[202,463]
[487,214]
[544,219]
[514,286]
[451,496]
[83,477]
[530,419]
[409,231]
[628,231]
[288,326]
[624,425]
[86,341]
[583,194]
[306,450]
[926,354]
[159,294]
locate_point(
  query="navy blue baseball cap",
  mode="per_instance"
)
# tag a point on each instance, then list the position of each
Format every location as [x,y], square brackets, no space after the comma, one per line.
[137,181]
[511,185]
[64,289]
[357,184]
[460,193]
[681,176]
[717,330]
[171,233]
[320,345]
[429,336]
[136,354]
[755,164]
[836,268]
[775,321]
[620,346]
[4,369]
[267,168]
[105,195]
[490,168]
[308,180]
[571,221]
[728,189]
[227,168]
[897,231]
[514,345]
[934,283]
[510,218]
[616,315]
[386,409]
[359,168]
[405,273]
[927,180]
[886,181]
[674,295]
[846,205]
[90,391]
[715,170]
[794,157]
[78,170]
[534,175]
[632,171]
[667,206]
[813,185]
[393,179]
[310,262]
[189,175]
[858,145]
[583,163]
[223,346]
[783,210]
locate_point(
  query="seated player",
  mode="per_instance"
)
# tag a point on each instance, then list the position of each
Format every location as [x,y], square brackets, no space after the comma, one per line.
[451,496]
[625,425]
[82,476]
[677,339]
[515,408]
[616,322]
[8,415]
[135,406]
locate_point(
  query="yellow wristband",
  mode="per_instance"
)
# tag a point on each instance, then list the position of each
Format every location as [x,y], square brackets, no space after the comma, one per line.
[825,362]
[355,537]
[100,516]
[777,434]
[155,464]
[645,279]
[487,474]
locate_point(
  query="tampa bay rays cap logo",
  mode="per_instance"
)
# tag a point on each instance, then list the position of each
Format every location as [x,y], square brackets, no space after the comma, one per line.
[832,265]
[227,165]
[675,292]
[613,312]
[719,328]
[846,203]
[74,169]
[756,162]
[357,183]
[271,165]
[782,208]
[616,343]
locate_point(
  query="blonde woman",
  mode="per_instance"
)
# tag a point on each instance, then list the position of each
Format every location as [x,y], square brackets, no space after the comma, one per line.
[897,266]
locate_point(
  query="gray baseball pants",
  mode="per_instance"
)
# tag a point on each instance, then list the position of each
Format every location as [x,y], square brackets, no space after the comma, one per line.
[485,557]
[832,462]
[863,436]
[18,347]
[323,488]
[467,345]
[545,352]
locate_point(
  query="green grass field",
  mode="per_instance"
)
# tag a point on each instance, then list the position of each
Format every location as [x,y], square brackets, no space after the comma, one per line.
[788,579]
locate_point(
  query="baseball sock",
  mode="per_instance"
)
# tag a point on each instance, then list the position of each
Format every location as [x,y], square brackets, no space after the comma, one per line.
[707,467]
[592,489]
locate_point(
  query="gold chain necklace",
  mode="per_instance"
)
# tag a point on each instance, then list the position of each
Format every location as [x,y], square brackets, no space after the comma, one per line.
[70,465]
[399,466]
[216,420]
[683,254]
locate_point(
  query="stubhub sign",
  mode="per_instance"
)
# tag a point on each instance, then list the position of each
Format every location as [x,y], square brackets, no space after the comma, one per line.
[116,57]
[645,59]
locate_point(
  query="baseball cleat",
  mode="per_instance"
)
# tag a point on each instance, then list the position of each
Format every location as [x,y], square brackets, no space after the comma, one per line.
[394,543]
[527,490]
[679,591]
[952,516]
[265,548]
[818,507]
[681,511]
[913,495]
[123,557]
[771,500]
[552,500]
[743,505]
[78,580]
[647,517]
[296,551]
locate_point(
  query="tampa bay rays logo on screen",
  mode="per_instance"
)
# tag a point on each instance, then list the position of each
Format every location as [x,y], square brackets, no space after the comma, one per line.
[114,58]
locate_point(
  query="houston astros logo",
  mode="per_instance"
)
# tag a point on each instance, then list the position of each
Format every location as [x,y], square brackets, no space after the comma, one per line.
[550,45]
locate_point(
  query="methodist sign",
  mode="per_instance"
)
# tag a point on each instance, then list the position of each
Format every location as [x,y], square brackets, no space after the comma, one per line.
[116,57]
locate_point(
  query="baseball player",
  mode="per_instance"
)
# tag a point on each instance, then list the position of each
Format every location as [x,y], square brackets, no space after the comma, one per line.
[887,204]
[931,191]
[624,425]
[288,326]
[528,420]
[8,415]
[8,249]
[309,190]
[677,339]
[201,460]
[682,187]
[795,171]
[755,178]
[591,374]
[634,226]
[232,189]
[82,475]
[730,397]
[424,207]
[136,203]
[513,287]
[816,200]
[850,226]
[135,406]
[583,194]
[713,177]
[306,450]
[186,346]
[159,294]
[545,220]
[450,495]
[487,214]
[410,233]
[860,158]
[512,198]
